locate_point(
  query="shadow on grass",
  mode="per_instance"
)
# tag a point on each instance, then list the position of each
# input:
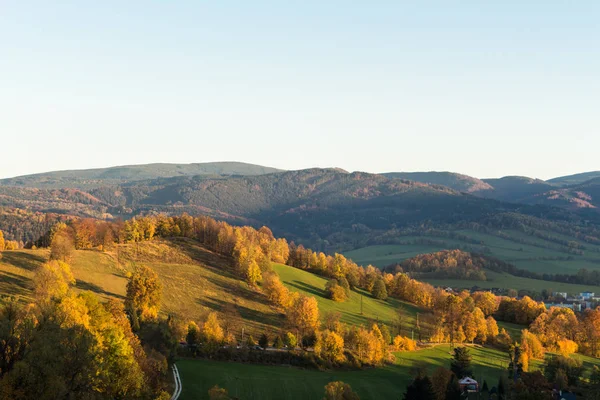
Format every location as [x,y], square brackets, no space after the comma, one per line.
[83,285]
[248,314]
[14,285]
[307,288]
[23,260]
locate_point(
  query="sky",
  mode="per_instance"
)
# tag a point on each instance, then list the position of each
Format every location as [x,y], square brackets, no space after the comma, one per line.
[485,88]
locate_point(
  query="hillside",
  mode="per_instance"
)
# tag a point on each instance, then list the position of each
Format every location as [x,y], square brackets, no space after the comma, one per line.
[195,280]
[89,178]
[515,188]
[575,179]
[458,182]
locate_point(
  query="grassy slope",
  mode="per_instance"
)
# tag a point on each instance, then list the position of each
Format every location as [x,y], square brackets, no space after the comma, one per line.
[373,310]
[191,288]
[526,256]
[271,382]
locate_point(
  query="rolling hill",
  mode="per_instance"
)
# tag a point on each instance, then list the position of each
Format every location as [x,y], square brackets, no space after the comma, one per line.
[575,179]
[458,182]
[89,178]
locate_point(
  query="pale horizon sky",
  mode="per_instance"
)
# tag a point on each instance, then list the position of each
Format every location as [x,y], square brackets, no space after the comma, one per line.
[487,90]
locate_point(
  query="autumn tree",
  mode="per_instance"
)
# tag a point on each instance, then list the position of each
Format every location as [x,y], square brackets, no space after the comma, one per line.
[212,328]
[335,291]
[276,292]
[1,241]
[62,246]
[52,281]
[218,393]
[330,347]
[303,314]
[144,294]
[339,391]
[486,301]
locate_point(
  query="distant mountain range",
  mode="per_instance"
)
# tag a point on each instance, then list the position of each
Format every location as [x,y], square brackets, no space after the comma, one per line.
[89,178]
[322,207]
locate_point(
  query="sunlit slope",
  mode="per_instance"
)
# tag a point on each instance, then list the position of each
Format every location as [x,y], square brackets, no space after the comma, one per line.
[373,310]
[195,280]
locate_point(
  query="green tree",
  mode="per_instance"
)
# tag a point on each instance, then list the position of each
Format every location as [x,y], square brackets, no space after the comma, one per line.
[278,343]
[379,290]
[421,388]
[263,341]
[461,363]
[291,341]
[453,391]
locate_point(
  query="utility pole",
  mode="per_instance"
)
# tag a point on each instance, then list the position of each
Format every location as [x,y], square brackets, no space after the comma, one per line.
[361,305]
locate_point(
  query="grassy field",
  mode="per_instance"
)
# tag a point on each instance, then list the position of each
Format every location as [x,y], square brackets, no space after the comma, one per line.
[503,280]
[247,381]
[532,256]
[372,309]
[535,256]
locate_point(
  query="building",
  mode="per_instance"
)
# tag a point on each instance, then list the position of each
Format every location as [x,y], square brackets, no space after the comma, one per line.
[468,384]
[564,295]
[587,295]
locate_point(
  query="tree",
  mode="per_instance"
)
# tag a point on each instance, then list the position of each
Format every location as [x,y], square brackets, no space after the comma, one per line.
[218,393]
[52,281]
[334,291]
[461,363]
[453,391]
[263,341]
[1,241]
[572,368]
[421,388]
[62,246]
[250,342]
[144,294]
[330,347]
[440,380]
[193,334]
[486,301]
[212,328]
[290,341]
[379,290]
[277,293]
[304,314]
[515,367]
[339,391]
[278,343]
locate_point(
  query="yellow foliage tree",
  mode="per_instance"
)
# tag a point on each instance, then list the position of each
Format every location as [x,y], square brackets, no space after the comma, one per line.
[304,314]
[212,328]
[52,281]
[330,347]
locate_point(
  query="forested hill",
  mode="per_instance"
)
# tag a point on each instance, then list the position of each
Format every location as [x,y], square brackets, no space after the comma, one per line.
[328,209]
[459,182]
[118,175]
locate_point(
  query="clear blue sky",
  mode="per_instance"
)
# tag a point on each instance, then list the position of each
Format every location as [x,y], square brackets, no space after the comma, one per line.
[486,88]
